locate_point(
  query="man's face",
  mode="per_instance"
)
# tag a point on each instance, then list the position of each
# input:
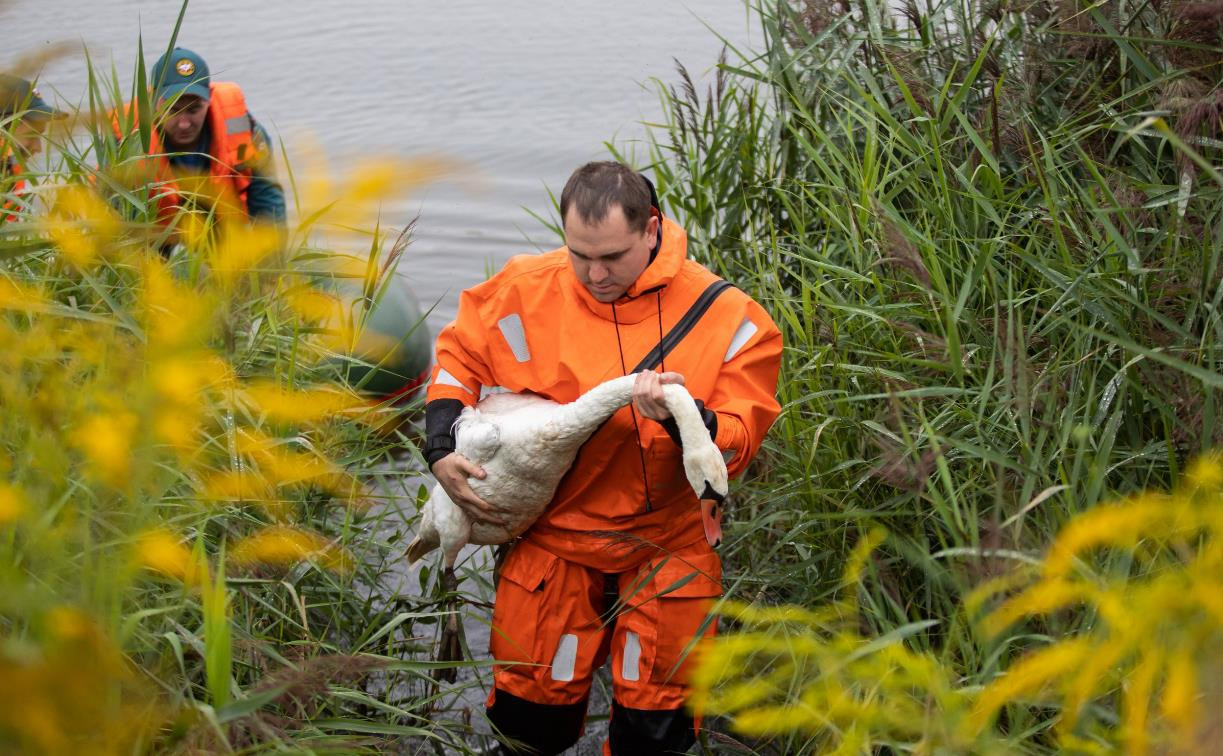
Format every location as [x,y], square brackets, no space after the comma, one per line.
[28,136]
[608,256]
[184,121]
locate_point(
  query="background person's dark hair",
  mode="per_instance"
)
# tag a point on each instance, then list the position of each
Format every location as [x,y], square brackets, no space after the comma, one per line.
[595,187]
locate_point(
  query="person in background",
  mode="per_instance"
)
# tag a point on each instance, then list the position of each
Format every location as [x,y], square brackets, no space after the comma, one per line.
[24,116]
[209,152]
[619,564]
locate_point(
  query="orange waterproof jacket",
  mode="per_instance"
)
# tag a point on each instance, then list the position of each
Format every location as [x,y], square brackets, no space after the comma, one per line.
[232,149]
[534,327]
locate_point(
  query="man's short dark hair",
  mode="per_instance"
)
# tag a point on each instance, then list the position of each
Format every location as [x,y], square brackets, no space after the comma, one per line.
[595,187]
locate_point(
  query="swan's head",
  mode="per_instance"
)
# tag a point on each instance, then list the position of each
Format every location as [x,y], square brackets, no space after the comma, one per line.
[706,471]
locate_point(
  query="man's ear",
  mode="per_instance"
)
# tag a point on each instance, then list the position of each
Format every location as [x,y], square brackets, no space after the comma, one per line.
[651,226]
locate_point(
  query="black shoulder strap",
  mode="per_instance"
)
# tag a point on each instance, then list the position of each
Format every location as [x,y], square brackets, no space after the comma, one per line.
[685,324]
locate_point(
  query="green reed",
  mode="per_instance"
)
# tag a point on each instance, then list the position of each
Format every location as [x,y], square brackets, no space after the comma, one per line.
[990,233]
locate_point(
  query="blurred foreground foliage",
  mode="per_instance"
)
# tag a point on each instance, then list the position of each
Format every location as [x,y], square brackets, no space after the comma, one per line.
[198,515]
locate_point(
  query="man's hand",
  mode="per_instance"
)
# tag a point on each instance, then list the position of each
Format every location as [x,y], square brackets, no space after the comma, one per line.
[452,472]
[647,393]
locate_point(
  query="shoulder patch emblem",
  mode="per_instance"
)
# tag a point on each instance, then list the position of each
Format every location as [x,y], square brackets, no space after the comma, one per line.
[185,67]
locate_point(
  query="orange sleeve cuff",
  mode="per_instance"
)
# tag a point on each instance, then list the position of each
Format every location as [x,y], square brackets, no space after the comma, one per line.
[450,392]
[732,437]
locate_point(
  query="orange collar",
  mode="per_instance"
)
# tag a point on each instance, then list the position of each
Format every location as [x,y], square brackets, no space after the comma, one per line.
[640,302]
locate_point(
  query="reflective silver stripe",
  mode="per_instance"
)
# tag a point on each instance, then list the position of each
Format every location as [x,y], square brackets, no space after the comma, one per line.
[515,336]
[630,667]
[446,379]
[747,329]
[490,390]
[566,658]
[238,124]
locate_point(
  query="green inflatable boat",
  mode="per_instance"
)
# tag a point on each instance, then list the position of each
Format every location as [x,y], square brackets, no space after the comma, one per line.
[394,352]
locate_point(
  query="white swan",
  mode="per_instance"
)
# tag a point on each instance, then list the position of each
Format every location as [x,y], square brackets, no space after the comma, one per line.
[525,444]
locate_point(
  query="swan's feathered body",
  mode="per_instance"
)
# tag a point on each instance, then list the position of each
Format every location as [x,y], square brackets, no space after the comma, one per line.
[526,443]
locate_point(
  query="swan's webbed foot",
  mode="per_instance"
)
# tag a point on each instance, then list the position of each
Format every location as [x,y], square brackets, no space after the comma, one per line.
[450,645]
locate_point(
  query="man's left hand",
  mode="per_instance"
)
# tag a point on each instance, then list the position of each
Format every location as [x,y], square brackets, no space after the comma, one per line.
[647,393]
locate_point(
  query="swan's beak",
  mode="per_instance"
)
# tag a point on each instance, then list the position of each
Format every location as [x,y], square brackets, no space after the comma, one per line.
[711,519]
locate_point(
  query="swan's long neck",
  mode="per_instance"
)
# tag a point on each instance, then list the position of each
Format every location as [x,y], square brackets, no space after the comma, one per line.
[692,430]
[581,417]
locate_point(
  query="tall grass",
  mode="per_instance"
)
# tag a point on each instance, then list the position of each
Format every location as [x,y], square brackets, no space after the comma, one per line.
[991,234]
[199,516]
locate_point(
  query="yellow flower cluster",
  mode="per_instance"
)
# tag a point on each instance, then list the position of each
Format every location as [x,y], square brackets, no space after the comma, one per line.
[12,504]
[1146,572]
[120,375]
[169,419]
[281,546]
[1150,570]
[76,696]
[81,224]
[811,672]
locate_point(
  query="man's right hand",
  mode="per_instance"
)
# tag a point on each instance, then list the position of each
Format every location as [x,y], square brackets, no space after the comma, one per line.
[452,472]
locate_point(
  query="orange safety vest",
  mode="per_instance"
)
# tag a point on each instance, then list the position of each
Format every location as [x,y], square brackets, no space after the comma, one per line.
[232,149]
[534,327]
[14,169]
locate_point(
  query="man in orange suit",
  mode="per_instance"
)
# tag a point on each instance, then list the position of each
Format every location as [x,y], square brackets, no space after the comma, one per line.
[619,564]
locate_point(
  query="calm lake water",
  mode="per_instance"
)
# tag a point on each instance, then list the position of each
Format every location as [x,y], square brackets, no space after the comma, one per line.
[520,91]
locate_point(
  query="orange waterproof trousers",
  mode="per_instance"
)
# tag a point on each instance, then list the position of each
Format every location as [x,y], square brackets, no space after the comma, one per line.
[555,622]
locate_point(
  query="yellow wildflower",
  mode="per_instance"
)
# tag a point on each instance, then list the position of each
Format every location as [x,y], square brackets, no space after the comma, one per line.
[68,623]
[16,296]
[1030,676]
[176,315]
[378,179]
[245,486]
[299,407]
[1180,704]
[284,546]
[1046,596]
[1117,525]
[163,552]
[281,465]
[372,180]
[861,553]
[79,222]
[1206,472]
[178,427]
[106,440]
[193,230]
[242,246]
[1136,699]
[177,379]
[235,485]
[12,503]
[368,344]
[314,305]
